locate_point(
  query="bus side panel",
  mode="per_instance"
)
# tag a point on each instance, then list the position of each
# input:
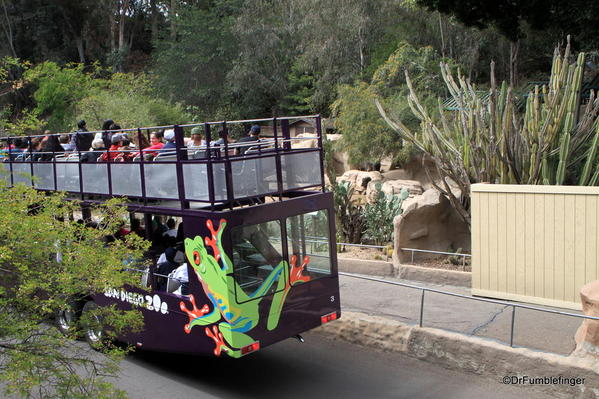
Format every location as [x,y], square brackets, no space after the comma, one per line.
[165,321]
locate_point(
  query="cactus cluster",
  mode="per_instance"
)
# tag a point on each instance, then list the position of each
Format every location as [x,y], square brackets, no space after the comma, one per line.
[553,140]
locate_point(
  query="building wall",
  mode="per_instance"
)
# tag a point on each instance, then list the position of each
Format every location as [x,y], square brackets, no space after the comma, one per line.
[534,243]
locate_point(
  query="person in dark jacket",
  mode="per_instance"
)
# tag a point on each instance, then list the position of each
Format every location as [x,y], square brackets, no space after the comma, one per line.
[106,135]
[81,140]
[51,145]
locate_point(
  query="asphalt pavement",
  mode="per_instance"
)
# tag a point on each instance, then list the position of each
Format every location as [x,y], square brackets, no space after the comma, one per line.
[318,368]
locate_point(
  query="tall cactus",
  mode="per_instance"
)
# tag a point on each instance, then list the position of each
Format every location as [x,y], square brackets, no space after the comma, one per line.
[494,142]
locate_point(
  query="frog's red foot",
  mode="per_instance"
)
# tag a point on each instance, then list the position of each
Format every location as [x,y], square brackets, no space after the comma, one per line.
[212,241]
[194,313]
[217,336]
[296,271]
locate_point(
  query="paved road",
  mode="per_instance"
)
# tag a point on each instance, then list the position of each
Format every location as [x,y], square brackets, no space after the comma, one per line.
[319,368]
[535,330]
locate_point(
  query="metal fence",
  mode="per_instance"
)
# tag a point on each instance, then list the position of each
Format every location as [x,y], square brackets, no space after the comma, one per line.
[513,306]
[428,251]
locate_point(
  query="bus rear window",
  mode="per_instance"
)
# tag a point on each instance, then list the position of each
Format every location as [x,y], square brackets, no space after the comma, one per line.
[308,236]
[257,250]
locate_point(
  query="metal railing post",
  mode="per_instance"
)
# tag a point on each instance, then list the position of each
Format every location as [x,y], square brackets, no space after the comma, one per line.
[422,307]
[412,257]
[512,328]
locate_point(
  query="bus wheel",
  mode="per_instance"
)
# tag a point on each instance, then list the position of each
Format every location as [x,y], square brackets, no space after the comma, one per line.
[92,325]
[66,318]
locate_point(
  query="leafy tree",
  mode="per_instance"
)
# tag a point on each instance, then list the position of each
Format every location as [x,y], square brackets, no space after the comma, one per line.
[58,91]
[366,137]
[192,65]
[35,358]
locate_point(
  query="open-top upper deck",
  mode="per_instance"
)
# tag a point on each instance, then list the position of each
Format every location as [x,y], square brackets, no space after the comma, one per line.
[212,176]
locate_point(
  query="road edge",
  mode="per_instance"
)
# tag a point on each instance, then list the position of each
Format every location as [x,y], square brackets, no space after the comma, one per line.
[467,353]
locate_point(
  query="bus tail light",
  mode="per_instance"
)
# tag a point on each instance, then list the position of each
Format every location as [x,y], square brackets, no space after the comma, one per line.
[328,317]
[250,348]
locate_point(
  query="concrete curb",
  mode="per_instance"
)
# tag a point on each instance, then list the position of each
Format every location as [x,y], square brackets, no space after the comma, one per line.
[435,276]
[467,353]
[406,272]
[370,267]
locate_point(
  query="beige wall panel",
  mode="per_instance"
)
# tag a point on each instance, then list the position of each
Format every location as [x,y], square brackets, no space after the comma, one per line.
[548,239]
[520,246]
[493,265]
[484,240]
[502,242]
[559,247]
[529,247]
[534,243]
[476,232]
[512,228]
[591,239]
[539,238]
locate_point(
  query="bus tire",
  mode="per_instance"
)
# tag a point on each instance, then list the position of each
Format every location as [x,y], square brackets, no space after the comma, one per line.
[92,326]
[66,319]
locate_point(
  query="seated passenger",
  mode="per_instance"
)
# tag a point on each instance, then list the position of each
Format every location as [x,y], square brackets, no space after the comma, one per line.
[50,147]
[197,140]
[166,267]
[251,139]
[115,149]
[169,136]
[155,144]
[105,135]
[97,150]
[180,274]
[137,229]
[64,140]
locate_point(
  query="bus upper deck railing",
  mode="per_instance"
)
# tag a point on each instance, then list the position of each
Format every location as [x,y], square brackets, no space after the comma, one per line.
[209,175]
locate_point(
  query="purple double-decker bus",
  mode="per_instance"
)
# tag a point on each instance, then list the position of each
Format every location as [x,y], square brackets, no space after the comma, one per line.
[245,229]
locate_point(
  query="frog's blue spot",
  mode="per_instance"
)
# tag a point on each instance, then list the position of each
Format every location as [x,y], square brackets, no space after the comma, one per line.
[243,328]
[228,315]
[220,301]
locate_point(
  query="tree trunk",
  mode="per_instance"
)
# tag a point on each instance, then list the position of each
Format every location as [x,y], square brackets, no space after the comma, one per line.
[123,16]
[514,47]
[154,11]
[80,49]
[172,14]
[111,15]
[8,31]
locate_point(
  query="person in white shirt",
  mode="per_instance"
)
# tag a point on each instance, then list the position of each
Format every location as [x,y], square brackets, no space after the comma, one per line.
[172,230]
[181,275]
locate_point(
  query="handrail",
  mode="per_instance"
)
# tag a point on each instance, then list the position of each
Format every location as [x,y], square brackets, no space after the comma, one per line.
[487,300]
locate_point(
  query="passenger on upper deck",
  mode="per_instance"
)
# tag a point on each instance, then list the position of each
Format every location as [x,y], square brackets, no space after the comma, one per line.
[50,147]
[196,139]
[96,152]
[253,137]
[64,142]
[81,140]
[169,136]
[115,149]
[105,135]
[155,144]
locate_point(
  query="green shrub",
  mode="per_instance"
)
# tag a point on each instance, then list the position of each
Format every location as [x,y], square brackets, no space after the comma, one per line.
[378,216]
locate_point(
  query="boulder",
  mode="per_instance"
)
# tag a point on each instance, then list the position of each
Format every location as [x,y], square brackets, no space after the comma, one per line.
[587,336]
[429,222]
[360,179]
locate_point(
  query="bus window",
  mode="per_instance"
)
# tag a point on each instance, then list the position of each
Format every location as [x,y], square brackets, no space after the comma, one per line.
[257,250]
[308,236]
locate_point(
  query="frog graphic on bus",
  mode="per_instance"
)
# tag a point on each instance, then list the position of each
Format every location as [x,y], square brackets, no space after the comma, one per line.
[235,318]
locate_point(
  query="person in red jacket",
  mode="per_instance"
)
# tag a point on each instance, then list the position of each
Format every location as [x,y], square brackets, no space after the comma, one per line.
[115,149]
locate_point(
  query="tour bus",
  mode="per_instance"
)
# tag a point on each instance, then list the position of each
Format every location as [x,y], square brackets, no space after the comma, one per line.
[254,227]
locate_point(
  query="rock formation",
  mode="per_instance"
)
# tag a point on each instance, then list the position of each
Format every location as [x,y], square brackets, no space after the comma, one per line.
[587,336]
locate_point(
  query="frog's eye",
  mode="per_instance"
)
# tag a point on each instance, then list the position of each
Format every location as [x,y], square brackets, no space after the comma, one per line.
[196,258]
